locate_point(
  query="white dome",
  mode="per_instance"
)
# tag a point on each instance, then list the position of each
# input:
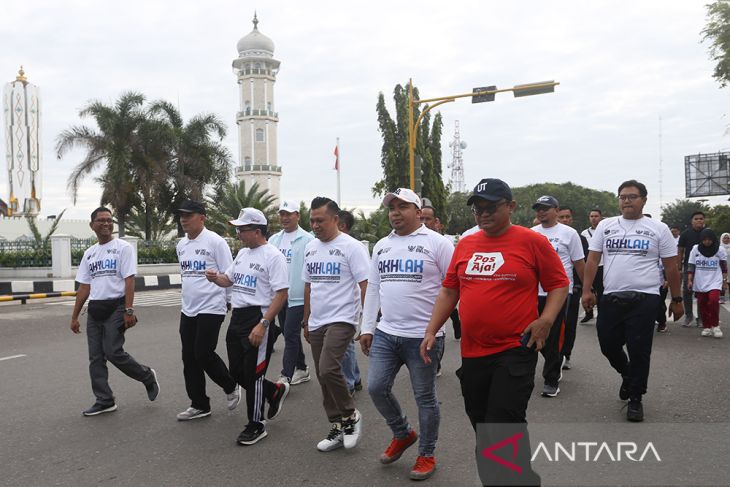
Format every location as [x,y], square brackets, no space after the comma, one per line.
[255,40]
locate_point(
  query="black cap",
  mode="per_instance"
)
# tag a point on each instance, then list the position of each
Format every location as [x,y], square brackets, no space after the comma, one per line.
[491,190]
[190,206]
[546,200]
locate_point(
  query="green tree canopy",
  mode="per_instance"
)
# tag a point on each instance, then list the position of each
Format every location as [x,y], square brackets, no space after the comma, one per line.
[394,153]
[679,212]
[717,32]
[226,202]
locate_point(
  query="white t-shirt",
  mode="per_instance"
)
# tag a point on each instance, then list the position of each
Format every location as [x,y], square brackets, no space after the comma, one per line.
[631,250]
[566,242]
[405,278]
[256,275]
[708,274]
[207,251]
[104,268]
[471,231]
[334,269]
[285,245]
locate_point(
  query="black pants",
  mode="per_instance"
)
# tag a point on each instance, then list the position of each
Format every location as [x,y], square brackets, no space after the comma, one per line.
[551,350]
[598,286]
[456,321]
[632,326]
[497,389]
[247,363]
[199,336]
[571,322]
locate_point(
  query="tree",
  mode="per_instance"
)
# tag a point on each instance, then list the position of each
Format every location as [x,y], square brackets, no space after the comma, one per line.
[680,211]
[395,159]
[719,219]
[717,32]
[226,202]
[579,198]
[196,156]
[373,227]
[114,143]
[459,215]
[160,226]
[41,242]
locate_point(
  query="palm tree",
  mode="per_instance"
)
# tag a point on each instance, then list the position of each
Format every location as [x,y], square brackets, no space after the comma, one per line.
[196,156]
[115,143]
[162,223]
[226,202]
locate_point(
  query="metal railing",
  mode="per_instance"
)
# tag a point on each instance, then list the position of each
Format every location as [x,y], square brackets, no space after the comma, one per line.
[255,112]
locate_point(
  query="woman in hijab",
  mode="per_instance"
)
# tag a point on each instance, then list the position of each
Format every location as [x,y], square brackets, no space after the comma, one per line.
[707,276]
[725,242]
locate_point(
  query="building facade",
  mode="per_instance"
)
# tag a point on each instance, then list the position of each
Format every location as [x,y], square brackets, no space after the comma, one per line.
[257,119]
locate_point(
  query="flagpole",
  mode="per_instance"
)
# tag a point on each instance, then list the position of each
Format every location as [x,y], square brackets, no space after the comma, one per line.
[339,169]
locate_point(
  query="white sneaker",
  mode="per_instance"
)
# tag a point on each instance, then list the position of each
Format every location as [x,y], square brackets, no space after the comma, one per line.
[333,440]
[351,430]
[717,332]
[706,332]
[300,376]
[192,413]
[283,380]
[234,398]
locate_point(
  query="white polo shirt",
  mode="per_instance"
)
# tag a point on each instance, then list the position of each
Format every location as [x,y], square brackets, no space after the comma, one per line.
[566,242]
[256,275]
[104,268]
[631,252]
[207,251]
[405,278]
[334,270]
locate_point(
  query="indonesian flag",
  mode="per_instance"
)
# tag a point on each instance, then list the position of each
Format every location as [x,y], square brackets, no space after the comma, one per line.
[337,158]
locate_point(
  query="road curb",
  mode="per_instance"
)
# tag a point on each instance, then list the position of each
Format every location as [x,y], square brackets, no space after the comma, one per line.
[141,283]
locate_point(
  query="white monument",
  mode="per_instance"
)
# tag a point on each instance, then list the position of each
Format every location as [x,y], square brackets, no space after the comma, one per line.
[257,119]
[21,110]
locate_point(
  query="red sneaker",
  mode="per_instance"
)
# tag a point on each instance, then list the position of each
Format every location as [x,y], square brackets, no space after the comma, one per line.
[424,468]
[397,447]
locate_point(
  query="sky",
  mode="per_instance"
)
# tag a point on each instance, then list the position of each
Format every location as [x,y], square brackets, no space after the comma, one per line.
[622,66]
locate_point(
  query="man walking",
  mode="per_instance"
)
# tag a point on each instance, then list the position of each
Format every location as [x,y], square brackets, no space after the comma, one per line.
[350,368]
[203,311]
[291,241]
[106,277]
[594,217]
[632,246]
[405,276]
[495,273]
[688,239]
[566,242]
[335,275]
[259,279]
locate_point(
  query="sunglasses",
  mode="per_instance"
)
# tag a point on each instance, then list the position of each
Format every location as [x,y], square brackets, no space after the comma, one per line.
[489,209]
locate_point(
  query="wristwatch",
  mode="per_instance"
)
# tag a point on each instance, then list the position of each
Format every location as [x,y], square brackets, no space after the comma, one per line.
[129,311]
[265,322]
[676,299]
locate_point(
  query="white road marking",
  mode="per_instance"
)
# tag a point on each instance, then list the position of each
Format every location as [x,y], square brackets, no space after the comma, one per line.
[163,298]
[12,357]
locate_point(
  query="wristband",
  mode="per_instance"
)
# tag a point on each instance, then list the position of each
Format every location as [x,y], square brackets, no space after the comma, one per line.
[677,299]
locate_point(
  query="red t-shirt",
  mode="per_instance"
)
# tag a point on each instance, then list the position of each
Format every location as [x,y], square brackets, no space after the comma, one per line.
[497,280]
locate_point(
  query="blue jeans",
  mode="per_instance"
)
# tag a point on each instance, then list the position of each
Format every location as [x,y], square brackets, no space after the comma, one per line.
[387,354]
[290,321]
[350,369]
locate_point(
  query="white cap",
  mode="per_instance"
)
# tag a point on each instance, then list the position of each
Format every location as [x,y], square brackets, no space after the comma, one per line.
[249,216]
[404,194]
[289,206]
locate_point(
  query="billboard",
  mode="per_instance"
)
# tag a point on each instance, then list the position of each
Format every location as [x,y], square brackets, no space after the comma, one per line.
[707,174]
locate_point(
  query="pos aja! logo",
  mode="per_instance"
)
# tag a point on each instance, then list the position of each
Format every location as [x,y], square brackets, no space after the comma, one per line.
[484,263]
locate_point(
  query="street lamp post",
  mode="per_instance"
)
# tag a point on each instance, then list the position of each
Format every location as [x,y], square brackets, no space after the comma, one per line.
[478,95]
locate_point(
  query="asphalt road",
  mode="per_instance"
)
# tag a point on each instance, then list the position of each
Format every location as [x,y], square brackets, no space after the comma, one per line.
[46,441]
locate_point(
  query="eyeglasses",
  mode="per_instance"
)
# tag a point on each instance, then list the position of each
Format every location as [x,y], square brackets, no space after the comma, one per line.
[103,220]
[629,197]
[489,209]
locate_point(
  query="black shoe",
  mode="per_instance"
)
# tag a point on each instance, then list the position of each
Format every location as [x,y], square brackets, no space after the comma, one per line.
[588,317]
[358,385]
[623,393]
[99,409]
[252,433]
[635,411]
[277,400]
[153,388]
[661,327]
